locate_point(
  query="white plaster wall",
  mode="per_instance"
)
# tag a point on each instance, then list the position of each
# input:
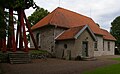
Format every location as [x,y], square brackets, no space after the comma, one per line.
[31,42]
[99,46]
[104,51]
[112,48]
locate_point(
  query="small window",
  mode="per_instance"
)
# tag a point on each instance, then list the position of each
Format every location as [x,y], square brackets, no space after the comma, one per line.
[108,46]
[95,46]
[103,46]
[65,46]
[38,39]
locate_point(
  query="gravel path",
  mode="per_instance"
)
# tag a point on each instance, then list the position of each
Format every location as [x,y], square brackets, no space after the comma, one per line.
[56,66]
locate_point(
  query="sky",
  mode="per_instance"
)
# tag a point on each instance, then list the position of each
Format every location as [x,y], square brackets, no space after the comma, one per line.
[102,12]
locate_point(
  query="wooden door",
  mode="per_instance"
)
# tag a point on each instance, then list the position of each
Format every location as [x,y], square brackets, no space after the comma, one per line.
[85,49]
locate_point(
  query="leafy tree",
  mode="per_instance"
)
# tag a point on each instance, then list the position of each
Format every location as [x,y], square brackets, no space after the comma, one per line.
[115,30]
[37,15]
[2,23]
[17,4]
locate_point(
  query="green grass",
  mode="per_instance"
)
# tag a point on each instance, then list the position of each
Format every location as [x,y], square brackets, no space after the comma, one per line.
[111,69]
[118,59]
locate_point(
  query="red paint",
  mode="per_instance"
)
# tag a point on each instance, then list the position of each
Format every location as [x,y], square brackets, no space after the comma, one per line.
[24,32]
[20,35]
[13,44]
[4,49]
[29,30]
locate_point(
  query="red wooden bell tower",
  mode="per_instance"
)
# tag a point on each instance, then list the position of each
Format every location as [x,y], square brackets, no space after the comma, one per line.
[11,42]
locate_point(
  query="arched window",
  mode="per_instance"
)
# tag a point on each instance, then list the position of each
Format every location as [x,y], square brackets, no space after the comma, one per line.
[38,39]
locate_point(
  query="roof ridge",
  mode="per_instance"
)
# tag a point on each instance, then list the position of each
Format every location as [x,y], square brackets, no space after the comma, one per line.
[64,17]
[78,26]
[84,28]
[54,13]
[73,12]
[52,16]
[107,35]
[74,33]
[103,29]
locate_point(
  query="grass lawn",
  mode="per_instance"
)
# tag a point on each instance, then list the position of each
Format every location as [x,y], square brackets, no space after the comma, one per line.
[118,59]
[111,69]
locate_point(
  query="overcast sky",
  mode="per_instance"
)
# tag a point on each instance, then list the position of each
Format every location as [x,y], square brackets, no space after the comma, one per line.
[102,12]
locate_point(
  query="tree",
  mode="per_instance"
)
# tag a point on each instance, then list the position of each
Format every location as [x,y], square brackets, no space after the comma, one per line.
[37,15]
[2,23]
[115,30]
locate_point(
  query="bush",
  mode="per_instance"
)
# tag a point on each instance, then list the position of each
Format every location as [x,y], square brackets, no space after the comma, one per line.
[38,54]
[3,57]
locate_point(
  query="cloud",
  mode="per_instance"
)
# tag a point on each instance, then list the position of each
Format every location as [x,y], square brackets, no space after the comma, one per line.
[101,11]
[106,19]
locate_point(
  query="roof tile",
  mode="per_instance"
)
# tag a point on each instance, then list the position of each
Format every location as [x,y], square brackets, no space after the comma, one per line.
[107,35]
[70,33]
[66,18]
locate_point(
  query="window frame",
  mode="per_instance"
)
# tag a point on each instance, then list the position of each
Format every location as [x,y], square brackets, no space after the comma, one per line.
[108,46]
[103,46]
[95,46]
[38,39]
[65,46]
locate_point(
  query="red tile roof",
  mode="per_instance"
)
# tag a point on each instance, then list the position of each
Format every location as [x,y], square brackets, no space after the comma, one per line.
[65,18]
[107,35]
[75,32]
[70,33]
